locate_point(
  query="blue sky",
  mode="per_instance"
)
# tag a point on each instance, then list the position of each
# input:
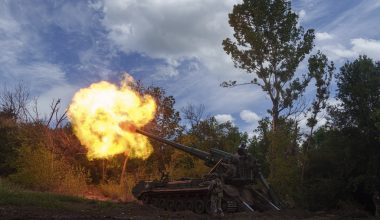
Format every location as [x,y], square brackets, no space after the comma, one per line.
[57,47]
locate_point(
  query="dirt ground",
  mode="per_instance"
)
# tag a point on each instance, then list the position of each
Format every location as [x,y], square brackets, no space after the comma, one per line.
[134,210]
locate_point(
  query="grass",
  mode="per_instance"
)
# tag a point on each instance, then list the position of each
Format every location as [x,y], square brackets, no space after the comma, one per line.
[13,195]
[114,191]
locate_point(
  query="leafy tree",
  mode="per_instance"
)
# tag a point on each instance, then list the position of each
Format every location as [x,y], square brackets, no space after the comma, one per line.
[359,92]
[344,158]
[322,72]
[13,111]
[9,143]
[39,168]
[283,157]
[259,144]
[329,169]
[211,134]
[204,134]
[270,44]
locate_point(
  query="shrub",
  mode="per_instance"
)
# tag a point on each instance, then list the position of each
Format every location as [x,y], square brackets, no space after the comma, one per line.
[117,191]
[40,169]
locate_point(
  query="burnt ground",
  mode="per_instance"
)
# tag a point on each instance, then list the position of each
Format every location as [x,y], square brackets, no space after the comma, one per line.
[133,210]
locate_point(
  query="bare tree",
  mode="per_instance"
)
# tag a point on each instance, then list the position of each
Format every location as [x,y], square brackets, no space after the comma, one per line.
[54,113]
[14,102]
[193,114]
[17,103]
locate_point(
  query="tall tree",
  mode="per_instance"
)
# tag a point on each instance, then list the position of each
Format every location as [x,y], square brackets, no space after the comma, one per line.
[322,72]
[344,159]
[359,92]
[270,44]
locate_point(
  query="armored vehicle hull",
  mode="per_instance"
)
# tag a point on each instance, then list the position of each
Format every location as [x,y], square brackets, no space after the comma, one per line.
[179,195]
[236,174]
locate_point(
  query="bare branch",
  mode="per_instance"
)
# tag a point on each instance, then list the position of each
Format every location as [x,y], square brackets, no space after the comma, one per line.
[60,119]
[193,114]
[14,102]
[54,106]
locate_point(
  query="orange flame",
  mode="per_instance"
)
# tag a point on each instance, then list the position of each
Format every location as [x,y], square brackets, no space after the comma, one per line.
[100,112]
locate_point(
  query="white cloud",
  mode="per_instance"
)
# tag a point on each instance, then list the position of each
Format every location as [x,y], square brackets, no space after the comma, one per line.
[251,119]
[360,19]
[21,61]
[173,30]
[176,32]
[336,51]
[249,116]
[302,15]
[320,36]
[222,118]
[354,29]
[167,28]
[309,9]
[368,47]
[359,46]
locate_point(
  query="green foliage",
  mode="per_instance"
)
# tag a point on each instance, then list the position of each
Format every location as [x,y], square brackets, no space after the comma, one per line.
[209,134]
[283,156]
[359,91]
[344,159]
[8,143]
[377,123]
[204,135]
[334,168]
[259,145]
[40,169]
[11,194]
[322,72]
[270,44]
[184,165]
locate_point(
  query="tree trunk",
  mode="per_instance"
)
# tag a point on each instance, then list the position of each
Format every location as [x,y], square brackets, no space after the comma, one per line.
[275,115]
[104,170]
[122,176]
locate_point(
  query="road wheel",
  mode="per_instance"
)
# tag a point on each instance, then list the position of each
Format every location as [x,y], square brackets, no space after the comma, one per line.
[224,206]
[179,205]
[163,204]
[146,199]
[189,205]
[171,205]
[199,206]
[155,202]
[208,207]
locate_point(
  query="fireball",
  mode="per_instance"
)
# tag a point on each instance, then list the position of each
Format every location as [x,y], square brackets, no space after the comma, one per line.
[99,113]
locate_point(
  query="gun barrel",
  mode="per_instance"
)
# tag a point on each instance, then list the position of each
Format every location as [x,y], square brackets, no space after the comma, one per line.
[193,151]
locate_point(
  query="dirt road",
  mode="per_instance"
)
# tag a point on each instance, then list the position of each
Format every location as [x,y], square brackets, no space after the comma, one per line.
[134,210]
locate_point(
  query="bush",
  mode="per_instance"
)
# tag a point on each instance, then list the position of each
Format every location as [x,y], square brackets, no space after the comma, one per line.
[117,191]
[284,168]
[40,169]
[184,165]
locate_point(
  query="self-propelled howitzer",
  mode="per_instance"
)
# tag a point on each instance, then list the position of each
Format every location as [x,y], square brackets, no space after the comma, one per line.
[239,173]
